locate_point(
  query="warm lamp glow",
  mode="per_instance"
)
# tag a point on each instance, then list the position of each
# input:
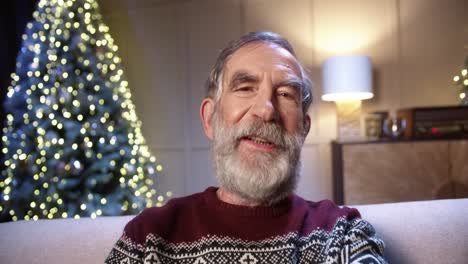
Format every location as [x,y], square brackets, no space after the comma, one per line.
[345,32]
[342,42]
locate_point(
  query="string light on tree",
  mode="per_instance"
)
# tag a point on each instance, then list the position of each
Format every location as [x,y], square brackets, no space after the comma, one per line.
[73,144]
[461,82]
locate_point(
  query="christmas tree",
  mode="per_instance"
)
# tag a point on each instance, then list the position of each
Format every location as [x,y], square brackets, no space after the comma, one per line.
[461,82]
[73,145]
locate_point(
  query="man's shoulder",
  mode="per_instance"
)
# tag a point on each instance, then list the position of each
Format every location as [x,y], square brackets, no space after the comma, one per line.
[331,208]
[327,206]
[325,214]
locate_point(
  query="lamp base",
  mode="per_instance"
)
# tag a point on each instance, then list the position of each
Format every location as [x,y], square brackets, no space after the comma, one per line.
[349,118]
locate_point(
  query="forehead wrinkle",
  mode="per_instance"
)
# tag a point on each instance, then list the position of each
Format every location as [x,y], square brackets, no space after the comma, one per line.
[278,56]
[282,58]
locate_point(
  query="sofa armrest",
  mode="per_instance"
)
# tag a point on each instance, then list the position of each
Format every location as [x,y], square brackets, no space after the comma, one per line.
[60,241]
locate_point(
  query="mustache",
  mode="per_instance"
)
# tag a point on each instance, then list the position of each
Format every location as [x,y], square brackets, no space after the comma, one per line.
[271,132]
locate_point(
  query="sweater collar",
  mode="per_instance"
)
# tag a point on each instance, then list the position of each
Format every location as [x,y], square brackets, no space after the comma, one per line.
[214,202]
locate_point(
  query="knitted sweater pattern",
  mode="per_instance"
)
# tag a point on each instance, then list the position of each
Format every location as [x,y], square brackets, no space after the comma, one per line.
[201,229]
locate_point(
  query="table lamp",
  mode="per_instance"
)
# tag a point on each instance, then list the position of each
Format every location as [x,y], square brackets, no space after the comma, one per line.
[347,80]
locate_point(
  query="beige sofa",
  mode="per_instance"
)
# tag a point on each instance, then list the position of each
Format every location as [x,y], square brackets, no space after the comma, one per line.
[415,232]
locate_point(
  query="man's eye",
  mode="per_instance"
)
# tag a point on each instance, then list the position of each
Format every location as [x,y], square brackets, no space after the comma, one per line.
[287,95]
[244,88]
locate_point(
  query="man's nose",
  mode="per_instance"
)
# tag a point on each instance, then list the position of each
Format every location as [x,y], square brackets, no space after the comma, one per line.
[264,108]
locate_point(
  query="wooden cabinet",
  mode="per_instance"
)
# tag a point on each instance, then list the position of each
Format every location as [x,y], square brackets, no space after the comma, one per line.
[395,171]
[458,152]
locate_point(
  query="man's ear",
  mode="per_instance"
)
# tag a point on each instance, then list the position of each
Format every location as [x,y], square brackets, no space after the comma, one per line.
[306,124]
[206,115]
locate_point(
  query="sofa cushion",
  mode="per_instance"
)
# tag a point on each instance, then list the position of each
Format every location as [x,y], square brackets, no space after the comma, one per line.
[422,232]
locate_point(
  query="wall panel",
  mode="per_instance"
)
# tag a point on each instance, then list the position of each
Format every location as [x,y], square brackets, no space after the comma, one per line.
[433,36]
[309,184]
[211,24]
[157,66]
[201,174]
[172,177]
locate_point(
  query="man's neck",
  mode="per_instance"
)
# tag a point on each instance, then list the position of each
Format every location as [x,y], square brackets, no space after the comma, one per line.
[231,198]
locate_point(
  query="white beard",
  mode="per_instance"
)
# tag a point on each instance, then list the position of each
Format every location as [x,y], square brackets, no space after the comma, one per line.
[264,178]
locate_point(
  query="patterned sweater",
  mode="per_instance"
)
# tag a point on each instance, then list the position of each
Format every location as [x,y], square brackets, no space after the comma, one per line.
[202,229]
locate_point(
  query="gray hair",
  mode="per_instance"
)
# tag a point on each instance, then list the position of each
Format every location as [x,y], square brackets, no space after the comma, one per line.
[214,82]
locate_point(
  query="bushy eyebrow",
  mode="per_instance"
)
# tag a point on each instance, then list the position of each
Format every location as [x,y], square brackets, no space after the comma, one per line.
[294,82]
[240,77]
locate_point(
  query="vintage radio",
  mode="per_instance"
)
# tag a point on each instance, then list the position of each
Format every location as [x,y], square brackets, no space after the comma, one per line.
[435,122]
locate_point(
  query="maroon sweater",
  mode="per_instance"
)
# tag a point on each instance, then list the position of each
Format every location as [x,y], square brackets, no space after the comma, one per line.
[202,229]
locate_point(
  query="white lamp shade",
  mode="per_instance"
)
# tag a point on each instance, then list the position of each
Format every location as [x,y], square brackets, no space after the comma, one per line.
[347,78]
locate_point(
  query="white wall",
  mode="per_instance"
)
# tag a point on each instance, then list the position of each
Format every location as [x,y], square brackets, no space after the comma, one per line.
[168,48]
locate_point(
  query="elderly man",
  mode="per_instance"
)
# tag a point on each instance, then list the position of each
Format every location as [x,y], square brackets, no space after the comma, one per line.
[255,112]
